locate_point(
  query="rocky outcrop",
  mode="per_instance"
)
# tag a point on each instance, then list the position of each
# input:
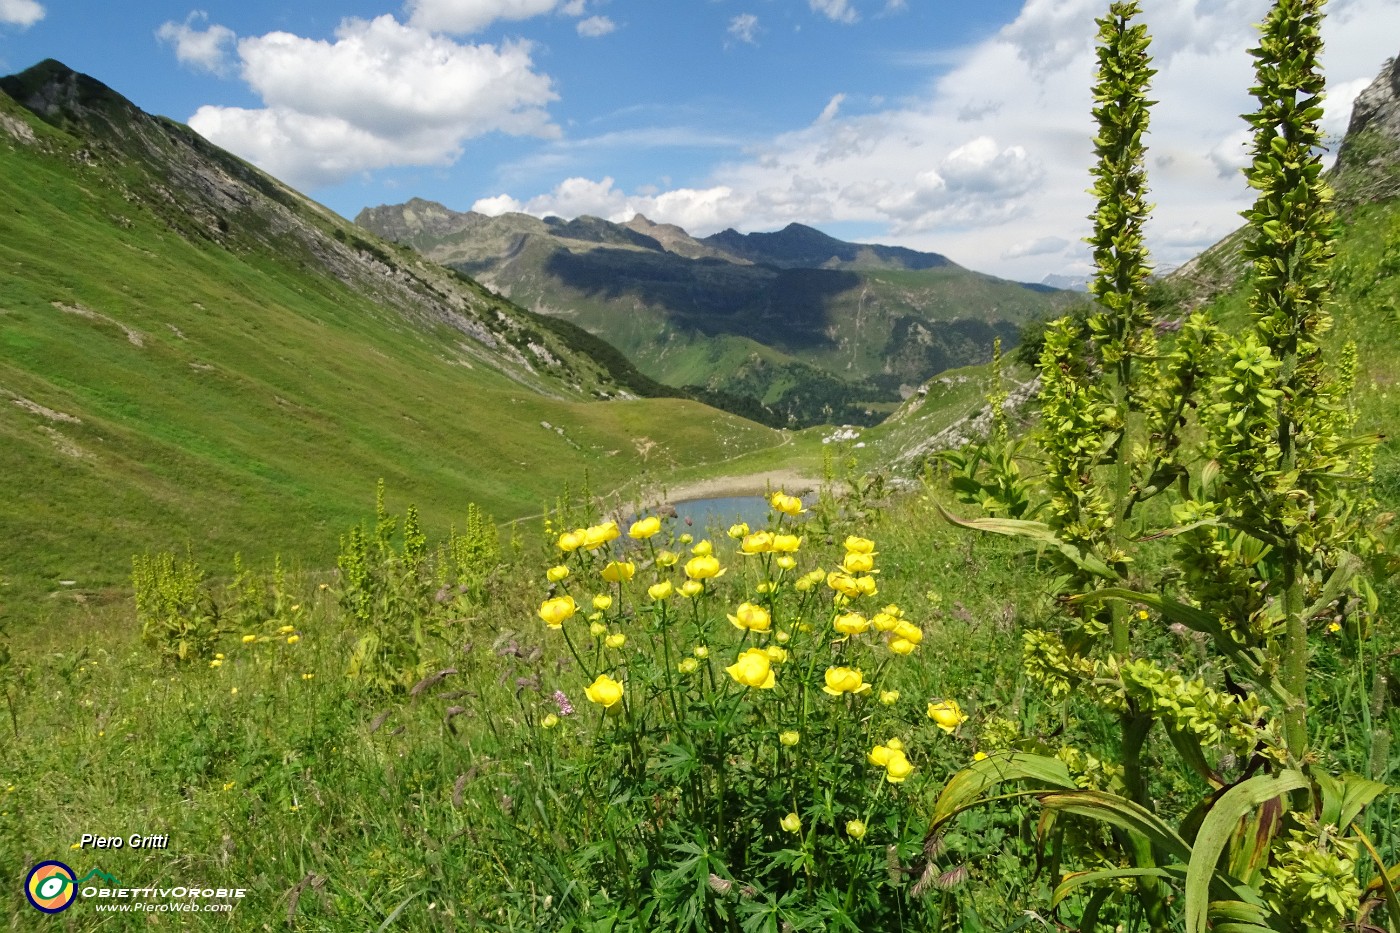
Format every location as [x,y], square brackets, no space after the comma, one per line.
[1368,163]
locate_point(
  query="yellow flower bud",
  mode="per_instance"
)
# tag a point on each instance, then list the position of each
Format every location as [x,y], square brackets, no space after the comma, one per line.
[855,829]
[549,721]
[841,680]
[792,823]
[555,611]
[776,655]
[898,767]
[645,528]
[858,563]
[556,573]
[602,602]
[889,697]
[688,666]
[703,548]
[692,588]
[618,571]
[787,562]
[599,535]
[790,738]
[604,691]
[686,538]
[947,715]
[700,651]
[667,558]
[738,531]
[788,505]
[753,669]
[615,640]
[597,630]
[659,591]
[858,545]
[851,623]
[786,544]
[751,617]
[704,567]
[571,540]
[249,639]
[781,637]
[760,542]
[293,639]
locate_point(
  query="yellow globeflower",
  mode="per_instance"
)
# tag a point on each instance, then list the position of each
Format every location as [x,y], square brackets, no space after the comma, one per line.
[602,602]
[599,535]
[667,558]
[703,548]
[556,573]
[618,571]
[597,629]
[787,562]
[889,697]
[902,646]
[851,623]
[555,611]
[286,630]
[738,531]
[841,680]
[293,639]
[786,544]
[644,528]
[879,755]
[858,563]
[790,738]
[898,767]
[688,666]
[866,586]
[753,669]
[884,622]
[615,640]
[858,545]
[249,639]
[704,567]
[751,617]
[843,583]
[792,823]
[776,655]
[760,542]
[572,540]
[781,637]
[659,591]
[604,691]
[855,829]
[216,663]
[788,505]
[700,651]
[692,588]
[947,715]
[549,721]
[686,538]
[908,631]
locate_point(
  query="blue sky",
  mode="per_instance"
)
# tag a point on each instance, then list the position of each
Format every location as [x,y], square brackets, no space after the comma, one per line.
[947,125]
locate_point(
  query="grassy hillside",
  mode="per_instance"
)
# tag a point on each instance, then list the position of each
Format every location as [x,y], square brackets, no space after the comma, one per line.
[231,368]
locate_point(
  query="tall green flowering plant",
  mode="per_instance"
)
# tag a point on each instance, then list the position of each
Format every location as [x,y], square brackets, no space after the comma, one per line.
[1262,537]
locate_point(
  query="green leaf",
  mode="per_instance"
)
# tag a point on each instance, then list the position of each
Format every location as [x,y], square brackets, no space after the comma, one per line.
[1347,568]
[1035,531]
[1216,830]
[1123,813]
[1384,882]
[1344,798]
[1073,882]
[969,787]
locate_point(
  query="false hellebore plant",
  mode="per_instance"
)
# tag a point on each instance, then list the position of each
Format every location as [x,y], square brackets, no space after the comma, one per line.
[1266,527]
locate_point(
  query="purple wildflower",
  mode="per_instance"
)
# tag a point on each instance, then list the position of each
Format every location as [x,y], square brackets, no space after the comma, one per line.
[565,707]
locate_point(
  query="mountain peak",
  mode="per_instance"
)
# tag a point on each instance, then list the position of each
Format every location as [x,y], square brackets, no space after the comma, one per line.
[69,99]
[1368,163]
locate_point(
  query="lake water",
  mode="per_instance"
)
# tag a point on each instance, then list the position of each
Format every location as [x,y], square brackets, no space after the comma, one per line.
[719,512]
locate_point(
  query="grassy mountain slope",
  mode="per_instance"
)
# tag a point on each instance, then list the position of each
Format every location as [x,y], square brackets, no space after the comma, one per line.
[815,328]
[191,353]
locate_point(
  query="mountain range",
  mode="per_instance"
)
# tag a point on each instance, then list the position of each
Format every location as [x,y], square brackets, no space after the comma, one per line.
[794,327]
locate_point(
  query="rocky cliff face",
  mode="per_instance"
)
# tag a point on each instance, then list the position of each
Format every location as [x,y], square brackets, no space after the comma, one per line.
[1368,163]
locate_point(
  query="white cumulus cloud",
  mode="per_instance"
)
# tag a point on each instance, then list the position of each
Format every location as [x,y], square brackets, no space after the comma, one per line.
[464,16]
[382,93]
[596,26]
[207,49]
[21,13]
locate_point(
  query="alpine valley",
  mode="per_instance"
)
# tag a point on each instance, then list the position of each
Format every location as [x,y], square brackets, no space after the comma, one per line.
[793,328]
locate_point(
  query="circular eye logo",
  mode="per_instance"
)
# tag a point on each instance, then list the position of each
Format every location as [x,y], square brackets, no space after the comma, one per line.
[51,887]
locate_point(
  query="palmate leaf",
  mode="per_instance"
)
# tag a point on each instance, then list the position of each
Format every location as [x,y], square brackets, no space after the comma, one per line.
[1034,531]
[1216,830]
